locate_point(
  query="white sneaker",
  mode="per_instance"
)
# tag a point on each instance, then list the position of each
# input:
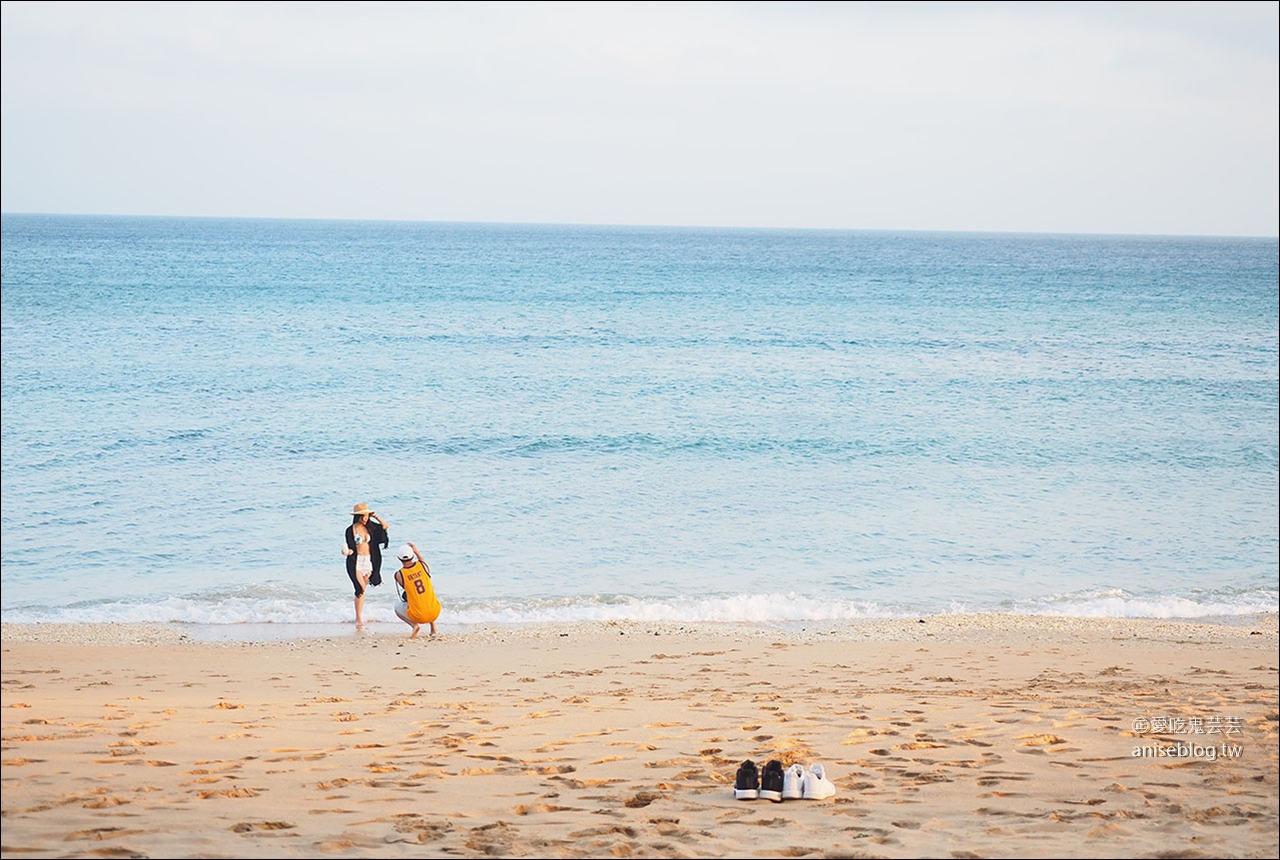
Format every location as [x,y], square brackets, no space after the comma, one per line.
[816,784]
[793,783]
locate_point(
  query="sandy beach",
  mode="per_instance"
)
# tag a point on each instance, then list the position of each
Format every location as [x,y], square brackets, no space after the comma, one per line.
[986,736]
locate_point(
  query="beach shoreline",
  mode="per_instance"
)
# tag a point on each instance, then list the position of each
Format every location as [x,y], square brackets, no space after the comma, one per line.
[952,626]
[944,735]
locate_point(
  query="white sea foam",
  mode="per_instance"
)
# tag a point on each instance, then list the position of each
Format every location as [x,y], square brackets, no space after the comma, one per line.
[1116,603]
[277,606]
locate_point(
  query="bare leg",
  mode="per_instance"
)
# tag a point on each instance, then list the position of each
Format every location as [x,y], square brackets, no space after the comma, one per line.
[433,628]
[400,612]
[364,586]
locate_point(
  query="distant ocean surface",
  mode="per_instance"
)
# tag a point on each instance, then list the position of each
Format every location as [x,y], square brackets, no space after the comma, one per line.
[582,423]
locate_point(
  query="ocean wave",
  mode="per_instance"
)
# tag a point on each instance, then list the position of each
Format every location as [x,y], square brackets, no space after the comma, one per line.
[1117,603]
[280,605]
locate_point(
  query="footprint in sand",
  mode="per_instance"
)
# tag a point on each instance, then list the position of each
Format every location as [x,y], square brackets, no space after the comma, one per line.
[532,808]
[99,834]
[231,792]
[424,830]
[494,839]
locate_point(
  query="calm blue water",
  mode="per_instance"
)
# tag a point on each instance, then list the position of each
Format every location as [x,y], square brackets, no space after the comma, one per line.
[577,422]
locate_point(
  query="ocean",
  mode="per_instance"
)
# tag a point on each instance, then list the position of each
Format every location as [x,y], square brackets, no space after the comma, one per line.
[595,423]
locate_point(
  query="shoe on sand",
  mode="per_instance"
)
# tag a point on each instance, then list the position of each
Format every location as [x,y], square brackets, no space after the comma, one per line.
[793,783]
[771,780]
[816,784]
[747,785]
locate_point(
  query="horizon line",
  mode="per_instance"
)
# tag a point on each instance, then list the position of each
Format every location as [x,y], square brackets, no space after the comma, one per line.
[645,226]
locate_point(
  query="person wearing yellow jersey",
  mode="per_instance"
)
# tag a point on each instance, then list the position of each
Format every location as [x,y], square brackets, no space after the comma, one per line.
[418,602]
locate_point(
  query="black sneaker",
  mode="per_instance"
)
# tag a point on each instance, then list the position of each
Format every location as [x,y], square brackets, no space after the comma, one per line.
[771,781]
[747,786]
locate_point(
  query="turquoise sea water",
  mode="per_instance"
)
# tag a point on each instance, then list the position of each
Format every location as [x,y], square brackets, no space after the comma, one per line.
[591,422]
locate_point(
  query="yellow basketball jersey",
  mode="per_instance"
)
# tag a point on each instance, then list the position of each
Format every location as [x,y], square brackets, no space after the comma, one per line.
[424,606]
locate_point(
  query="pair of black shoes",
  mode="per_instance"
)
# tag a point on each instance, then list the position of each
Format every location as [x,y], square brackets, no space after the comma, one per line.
[752,784]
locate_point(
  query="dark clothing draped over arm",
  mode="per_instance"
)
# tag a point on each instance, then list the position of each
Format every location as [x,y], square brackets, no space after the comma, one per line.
[351,560]
[377,535]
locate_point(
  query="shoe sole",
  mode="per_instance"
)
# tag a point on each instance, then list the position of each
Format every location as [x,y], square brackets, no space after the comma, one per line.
[746,793]
[775,796]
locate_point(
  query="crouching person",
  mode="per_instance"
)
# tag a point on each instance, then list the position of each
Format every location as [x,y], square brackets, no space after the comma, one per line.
[418,602]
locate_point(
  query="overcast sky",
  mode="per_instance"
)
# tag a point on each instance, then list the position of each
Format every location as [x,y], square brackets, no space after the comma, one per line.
[1079,118]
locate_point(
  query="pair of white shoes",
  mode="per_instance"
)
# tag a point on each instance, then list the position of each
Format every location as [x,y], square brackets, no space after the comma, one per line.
[811,784]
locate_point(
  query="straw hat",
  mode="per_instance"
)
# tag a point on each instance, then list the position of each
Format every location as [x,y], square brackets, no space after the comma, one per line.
[360,510]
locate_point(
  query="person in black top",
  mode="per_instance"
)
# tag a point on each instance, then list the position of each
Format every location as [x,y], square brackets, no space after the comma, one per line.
[364,540]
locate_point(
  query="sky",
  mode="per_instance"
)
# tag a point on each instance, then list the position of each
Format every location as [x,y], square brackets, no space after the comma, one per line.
[1129,118]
